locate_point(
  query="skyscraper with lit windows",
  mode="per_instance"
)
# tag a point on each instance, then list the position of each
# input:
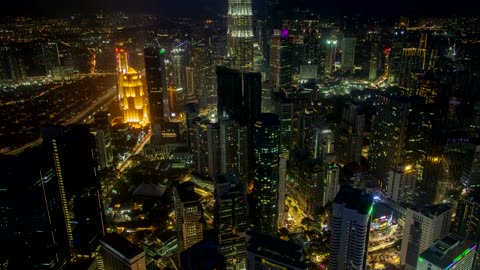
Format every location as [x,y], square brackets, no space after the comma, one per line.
[266,172]
[240,34]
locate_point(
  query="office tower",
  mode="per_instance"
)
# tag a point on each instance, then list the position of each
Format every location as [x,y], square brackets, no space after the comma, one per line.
[267,252]
[413,63]
[451,252]
[349,139]
[350,226]
[266,169]
[311,40]
[284,108]
[308,119]
[155,75]
[282,182]
[178,67]
[120,254]
[422,227]
[50,57]
[323,143]
[471,166]
[214,154]
[400,183]
[267,101]
[133,99]
[306,181]
[239,95]
[173,103]
[199,146]
[188,216]
[103,139]
[428,87]
[392,130]
[240,36]
[331,182]
[35,218]
[203,59]
[231,219]
[347,60]
[373,63]
[280,59]
[233,149]
[71,150]
[330,56]
[204,255]
[467,218]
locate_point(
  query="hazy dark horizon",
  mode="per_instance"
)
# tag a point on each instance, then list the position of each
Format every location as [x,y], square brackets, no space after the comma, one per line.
[209,8]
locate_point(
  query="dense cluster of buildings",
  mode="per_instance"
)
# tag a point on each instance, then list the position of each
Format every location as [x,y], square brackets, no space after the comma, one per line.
[268,116]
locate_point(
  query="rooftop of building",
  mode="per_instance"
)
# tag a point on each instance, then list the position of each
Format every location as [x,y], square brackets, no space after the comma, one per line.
[447,251]
[121,245]
[186,192]
[432,210]
[203,255]
[354,198]
[276,249]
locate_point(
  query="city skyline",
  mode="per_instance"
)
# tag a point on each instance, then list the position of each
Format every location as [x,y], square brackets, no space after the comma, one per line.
[210,8]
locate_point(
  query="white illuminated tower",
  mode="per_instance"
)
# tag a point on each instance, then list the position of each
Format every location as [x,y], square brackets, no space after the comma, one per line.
[240,34]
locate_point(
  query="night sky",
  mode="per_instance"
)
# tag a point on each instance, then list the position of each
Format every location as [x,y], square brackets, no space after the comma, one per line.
[205,8]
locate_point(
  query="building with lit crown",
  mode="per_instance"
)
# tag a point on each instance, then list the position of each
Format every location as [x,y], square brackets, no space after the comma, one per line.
[240,36]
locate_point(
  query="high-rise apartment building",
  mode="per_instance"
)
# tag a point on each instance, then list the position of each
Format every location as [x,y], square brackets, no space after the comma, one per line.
[231,219]
[401,182]
[422,227]
[284,108]
[266,169]
[240,36]
[188,215]
[350,226]
[155,75]
[120,254]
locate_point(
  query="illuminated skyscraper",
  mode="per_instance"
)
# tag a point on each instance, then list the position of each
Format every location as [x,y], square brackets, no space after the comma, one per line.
[131,93]
[156,84]
[240,34]
[266,172]
[133,98]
